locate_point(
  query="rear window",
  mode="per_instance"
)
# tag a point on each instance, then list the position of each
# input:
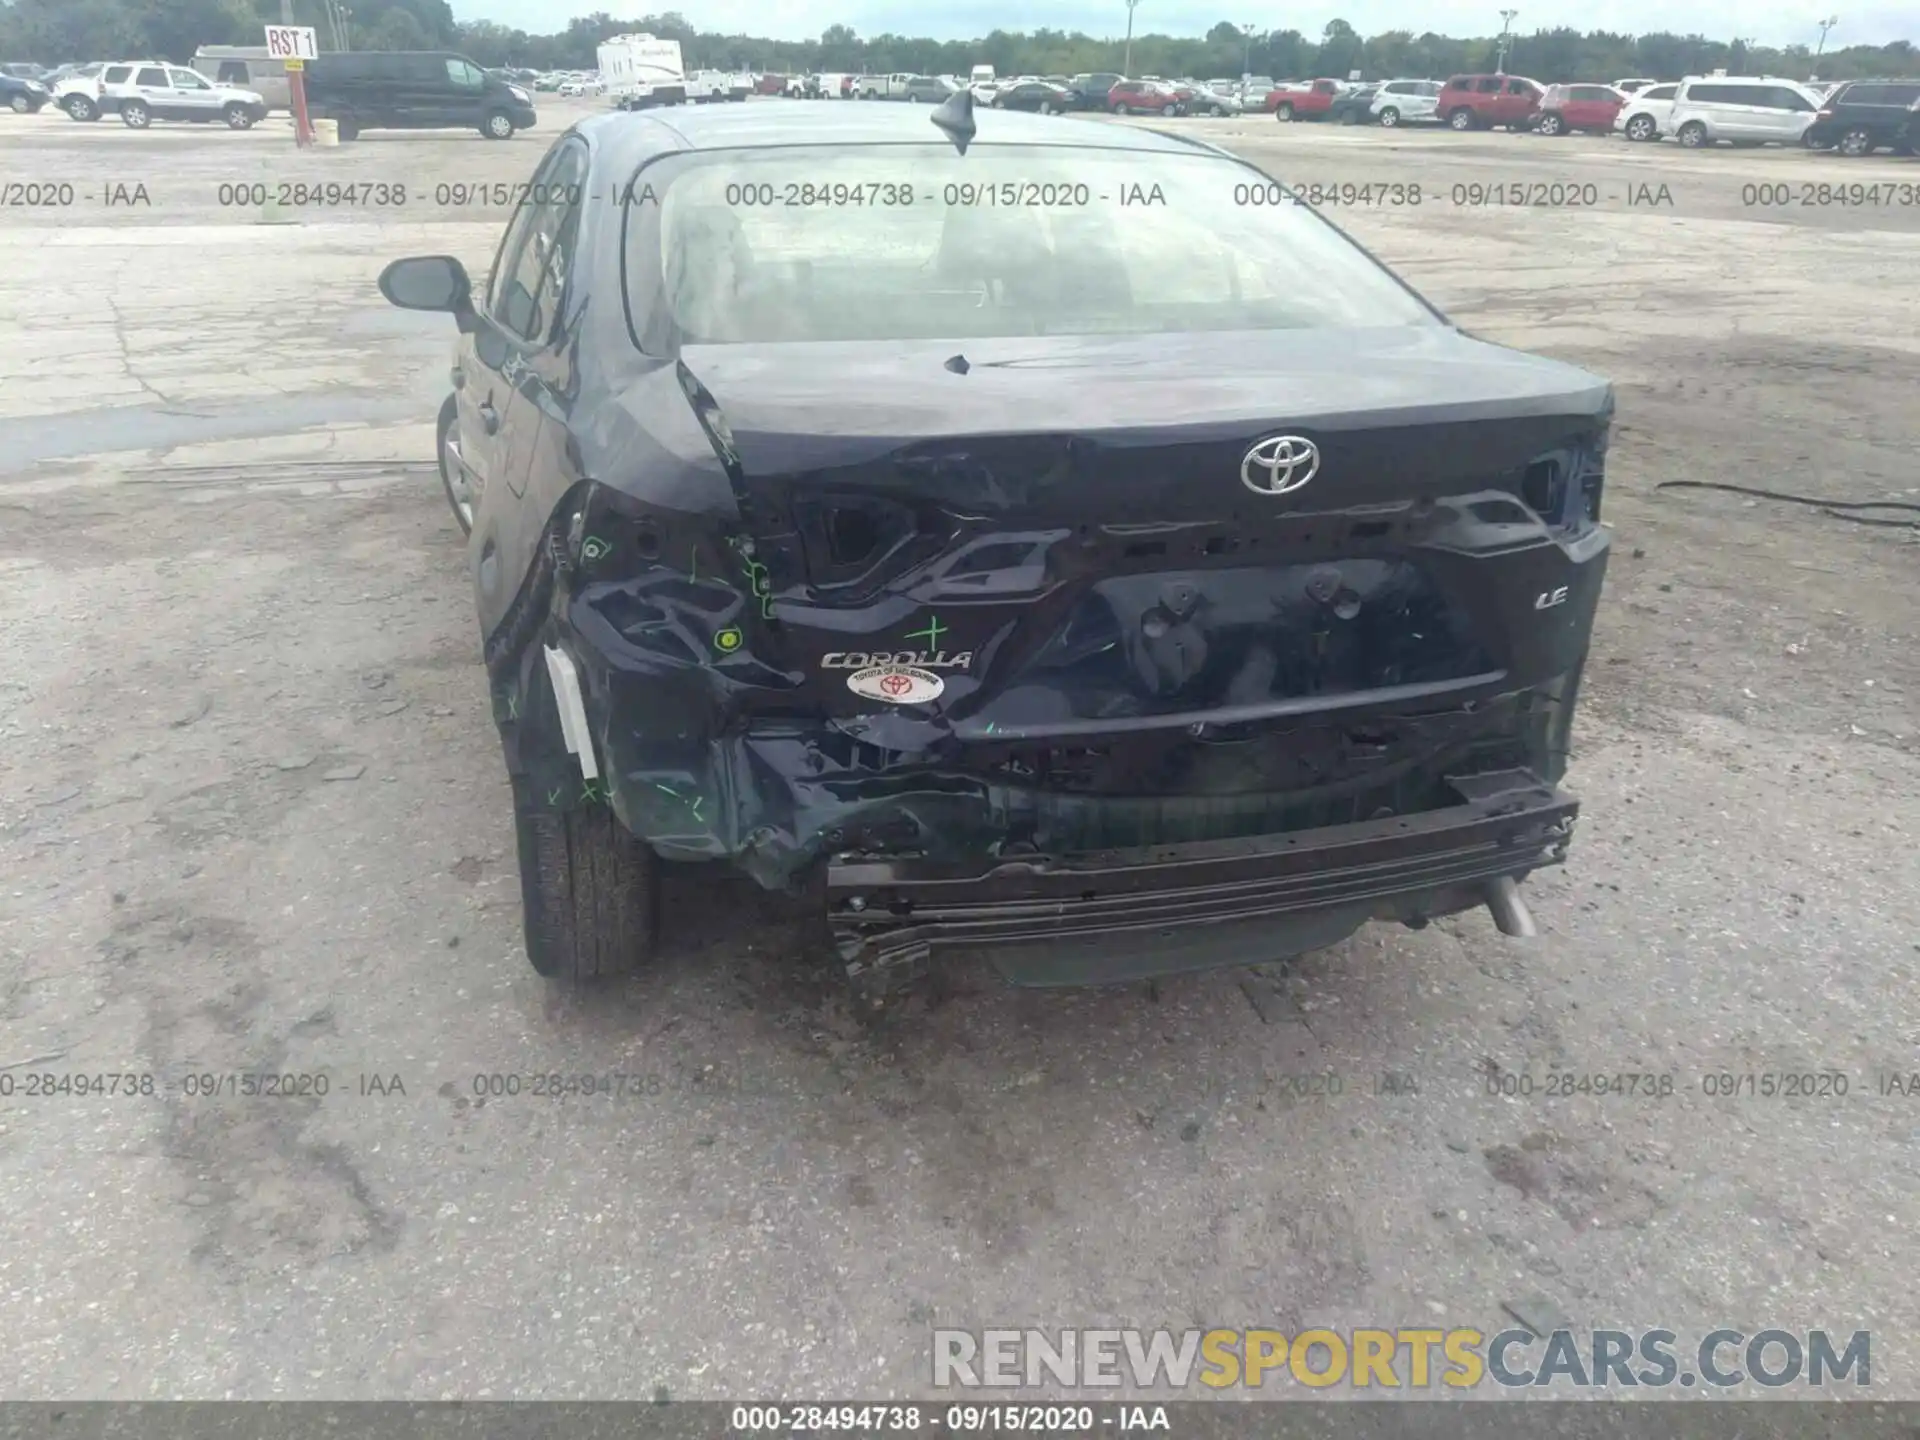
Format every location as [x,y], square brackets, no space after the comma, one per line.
[1004,241]
[1658,92]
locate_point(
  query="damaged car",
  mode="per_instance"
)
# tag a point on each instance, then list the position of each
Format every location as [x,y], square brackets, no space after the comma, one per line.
[1011,539]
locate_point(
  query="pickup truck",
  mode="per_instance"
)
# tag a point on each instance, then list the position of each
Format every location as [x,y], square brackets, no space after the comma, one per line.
[1309,100]
[882,87]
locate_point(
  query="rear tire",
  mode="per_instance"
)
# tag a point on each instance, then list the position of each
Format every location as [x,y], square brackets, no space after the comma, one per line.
[1169,109]
[348,131]
[21,105]
[589,890]
[135,115]
[1856,142]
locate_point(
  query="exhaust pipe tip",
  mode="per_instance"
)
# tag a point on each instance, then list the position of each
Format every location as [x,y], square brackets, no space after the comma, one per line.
[1510,913]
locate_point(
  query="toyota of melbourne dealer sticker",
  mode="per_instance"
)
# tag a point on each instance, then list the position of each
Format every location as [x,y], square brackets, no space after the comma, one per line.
[897,684]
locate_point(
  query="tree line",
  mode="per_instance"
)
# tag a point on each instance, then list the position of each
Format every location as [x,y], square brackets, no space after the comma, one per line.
[52,31]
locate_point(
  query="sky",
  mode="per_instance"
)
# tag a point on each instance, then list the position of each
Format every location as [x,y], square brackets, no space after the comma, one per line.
[1766,21]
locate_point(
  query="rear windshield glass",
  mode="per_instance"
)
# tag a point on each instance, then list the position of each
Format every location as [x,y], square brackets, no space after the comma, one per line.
[909,242]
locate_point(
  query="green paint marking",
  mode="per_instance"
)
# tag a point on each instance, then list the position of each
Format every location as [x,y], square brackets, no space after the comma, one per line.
[553,795]
[698,800]
[728,640]
[594,548]
[513,705]
[933,632]
[590,792]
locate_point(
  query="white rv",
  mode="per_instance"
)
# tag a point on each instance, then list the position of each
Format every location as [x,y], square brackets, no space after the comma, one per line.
[641,71]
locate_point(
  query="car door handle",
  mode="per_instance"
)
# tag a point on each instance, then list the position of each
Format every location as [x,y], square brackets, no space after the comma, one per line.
[459,378]
[489,418]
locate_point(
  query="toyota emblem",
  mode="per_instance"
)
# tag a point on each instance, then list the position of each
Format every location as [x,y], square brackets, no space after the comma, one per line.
[1280,465]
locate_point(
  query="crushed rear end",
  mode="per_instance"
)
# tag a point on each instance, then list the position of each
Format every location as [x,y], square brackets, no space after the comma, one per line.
[1011,652]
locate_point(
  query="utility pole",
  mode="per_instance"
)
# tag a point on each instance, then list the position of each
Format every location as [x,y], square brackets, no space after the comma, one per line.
[1126,65]
[1825,25]
[1506,25]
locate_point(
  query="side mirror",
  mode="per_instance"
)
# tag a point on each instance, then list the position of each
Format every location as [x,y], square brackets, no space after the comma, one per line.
[430,282]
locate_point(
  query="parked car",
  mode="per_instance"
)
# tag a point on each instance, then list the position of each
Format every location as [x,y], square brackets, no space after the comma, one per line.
[22,96]
[246,67]
[141,93]
[1483,102]
[414,90]
[1353,106]
[92,90]
[839,546]
[1090,92]
[771,84]
[882,87]
[1645,116]
[1407,102]
[1309,101]
[1217,98]
[25,70]
[1040,96]
[1863,116]
[1565,109]
[1143,97]
[930,90]
[1743,110]
[1632,87]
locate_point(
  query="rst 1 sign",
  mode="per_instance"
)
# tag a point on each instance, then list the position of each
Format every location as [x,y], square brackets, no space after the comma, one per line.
[291,42]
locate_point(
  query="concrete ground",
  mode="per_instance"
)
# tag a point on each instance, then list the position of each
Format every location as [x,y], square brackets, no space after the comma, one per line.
[253,818]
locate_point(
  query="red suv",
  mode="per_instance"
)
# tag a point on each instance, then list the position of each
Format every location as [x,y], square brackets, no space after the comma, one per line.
[1144,97]
[1480,102]
[1565,108]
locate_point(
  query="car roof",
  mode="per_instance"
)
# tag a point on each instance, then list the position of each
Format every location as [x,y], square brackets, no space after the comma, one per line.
[625,136]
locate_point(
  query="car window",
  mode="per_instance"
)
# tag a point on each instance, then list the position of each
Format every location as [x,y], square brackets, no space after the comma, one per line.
[535,275]
[950,263]
[232,72]
[151,75]
[1658,92]
[116,74]
[467,77]
[1521,87]
[1902,95]
[187,80]
[1781,98]
[1486,85]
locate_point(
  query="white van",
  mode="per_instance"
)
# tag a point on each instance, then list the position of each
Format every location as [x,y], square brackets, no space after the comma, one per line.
[246,67]
[1742,109]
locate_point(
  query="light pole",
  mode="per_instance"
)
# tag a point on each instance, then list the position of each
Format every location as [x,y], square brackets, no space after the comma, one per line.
[1127,64]
[1506,24]
[1825,25]
[1246,50]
